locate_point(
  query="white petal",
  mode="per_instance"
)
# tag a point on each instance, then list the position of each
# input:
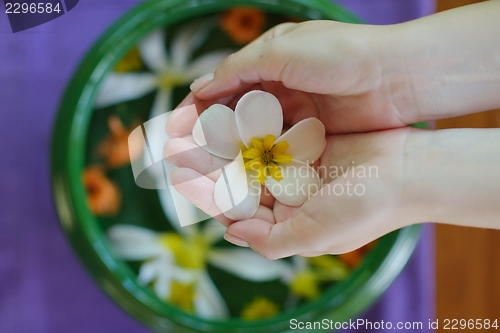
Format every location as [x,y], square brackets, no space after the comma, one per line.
[258,114]
[152,269]
[234,194]
[307,140]
[162,104]
[186,213]
[213,231]
[134,243]
[189,38]
[300,181]
[205,64]
[155,129]
[216,132]
[121,87]
[299,264]
[247,264]
[162,284]
[209,303]
[153,52]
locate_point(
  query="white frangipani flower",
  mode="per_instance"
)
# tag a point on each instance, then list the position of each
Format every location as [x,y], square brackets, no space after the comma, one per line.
[280,161]
[172,259]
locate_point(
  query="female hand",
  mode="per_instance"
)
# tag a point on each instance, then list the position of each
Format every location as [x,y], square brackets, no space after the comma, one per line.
[365,197]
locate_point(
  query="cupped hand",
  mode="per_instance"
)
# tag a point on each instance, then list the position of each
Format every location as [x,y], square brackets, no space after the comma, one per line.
[365,196]
[324,69]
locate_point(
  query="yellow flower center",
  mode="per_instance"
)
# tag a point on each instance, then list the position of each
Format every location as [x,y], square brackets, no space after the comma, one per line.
[182,295]
[259,308]
[171,78]
[305,284]
[131,62]
[189,253]
[265,156]
[329,268]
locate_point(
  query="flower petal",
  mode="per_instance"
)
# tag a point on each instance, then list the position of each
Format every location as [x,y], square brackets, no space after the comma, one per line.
[216,132]
[208,301]
[153,52]
[252,153]
[156,136]
[236,196]
[258,114]
[159,275]
[155,127]
[269,142]
[213,231]
[188,39]
[131,242]
[121,87]
[306,139]
[179,211]
[247,264]
[151,270]
[300,181]
[205,64]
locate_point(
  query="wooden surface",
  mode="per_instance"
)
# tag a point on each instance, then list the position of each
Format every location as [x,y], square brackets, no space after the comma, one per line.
[467,259]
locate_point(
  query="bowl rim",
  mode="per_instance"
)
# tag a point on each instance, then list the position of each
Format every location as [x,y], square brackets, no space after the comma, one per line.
[364,286]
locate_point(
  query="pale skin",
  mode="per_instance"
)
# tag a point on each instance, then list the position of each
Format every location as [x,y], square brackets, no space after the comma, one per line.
[366,83]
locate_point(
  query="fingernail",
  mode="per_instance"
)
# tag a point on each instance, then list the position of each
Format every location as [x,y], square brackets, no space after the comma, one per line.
[235,240]
[201,82]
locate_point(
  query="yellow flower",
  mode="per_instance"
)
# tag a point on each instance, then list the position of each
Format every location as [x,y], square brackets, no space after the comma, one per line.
[265,156]
[188,252]
[131,62]
[305,284]
[329,268]
[259,308]
[182,295]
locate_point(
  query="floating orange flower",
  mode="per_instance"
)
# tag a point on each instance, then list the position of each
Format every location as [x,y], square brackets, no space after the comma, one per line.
[103,196]
[115,147]
[243,24]
[354,258]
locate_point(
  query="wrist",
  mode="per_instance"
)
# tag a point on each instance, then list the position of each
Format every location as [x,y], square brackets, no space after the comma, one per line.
[452,176]
[444,65]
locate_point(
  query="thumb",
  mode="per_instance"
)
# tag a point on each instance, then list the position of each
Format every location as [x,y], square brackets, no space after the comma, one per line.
[274,241]
[262,60]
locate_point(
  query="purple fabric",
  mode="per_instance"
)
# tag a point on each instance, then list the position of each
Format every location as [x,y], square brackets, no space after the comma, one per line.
[43,286]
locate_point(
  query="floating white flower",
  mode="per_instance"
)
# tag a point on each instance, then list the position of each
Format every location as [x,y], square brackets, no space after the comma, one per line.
[175,264]
[308,273]
[280,161]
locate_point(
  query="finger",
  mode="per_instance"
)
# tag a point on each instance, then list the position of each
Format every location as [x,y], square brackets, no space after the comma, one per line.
[261,62]
[266,198]
[181,121]
[185,153]
[243,85]
[275,241]
[199,190]
[275,31]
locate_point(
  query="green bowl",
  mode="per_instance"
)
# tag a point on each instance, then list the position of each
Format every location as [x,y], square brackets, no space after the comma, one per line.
[78,130]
